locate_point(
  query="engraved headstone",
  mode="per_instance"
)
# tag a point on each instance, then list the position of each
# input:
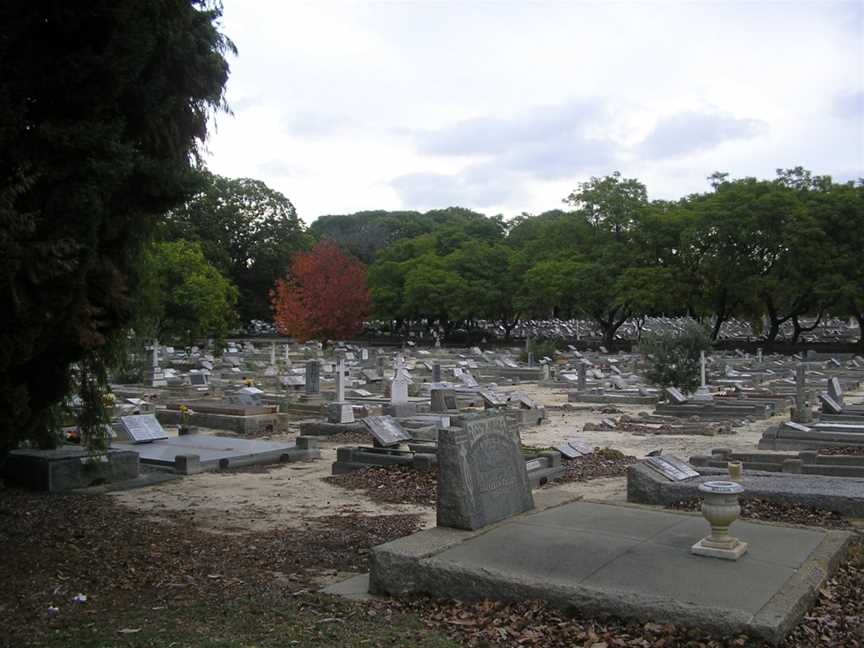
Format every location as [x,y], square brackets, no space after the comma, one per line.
[313,377]
[675,394]
[142,428]
[834,390]
[436,372]
[671,467]
[829,405]
[493,398]
[439,402]
[574,448]
[482,476]
[386,430]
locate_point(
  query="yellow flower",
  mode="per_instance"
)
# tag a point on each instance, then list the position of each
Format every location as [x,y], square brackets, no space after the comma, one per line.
[184,409]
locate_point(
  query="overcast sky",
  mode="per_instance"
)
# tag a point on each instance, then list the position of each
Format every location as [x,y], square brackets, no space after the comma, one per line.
[504,106]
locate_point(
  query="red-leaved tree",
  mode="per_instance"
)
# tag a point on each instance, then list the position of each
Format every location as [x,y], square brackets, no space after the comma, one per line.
[325,297]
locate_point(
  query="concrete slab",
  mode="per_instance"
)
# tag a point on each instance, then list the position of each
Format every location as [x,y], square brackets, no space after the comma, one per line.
[211,450]
[355,588]
[620,560]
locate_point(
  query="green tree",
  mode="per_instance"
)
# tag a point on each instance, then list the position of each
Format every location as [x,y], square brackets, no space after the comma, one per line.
[673,357]
[247,230]
[103,106]
[182,296]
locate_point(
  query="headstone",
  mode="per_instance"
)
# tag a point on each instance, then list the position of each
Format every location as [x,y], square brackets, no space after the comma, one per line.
[442,400]
[835,391]
[493,398]
[341,412]
[792,425]
[574,448]
[671,467]
[436,372]
[340,381]
[399,389]
[482,476]
[198,379]
[675,395]
[829,405]
[313,377]
[142,428]
[386,430]
[583,377]
[802,407]
[249,396]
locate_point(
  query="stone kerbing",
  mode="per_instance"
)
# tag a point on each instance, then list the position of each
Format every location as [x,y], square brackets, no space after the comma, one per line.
[411,565]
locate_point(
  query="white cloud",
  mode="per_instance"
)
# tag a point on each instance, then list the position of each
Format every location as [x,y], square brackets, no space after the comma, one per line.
[505,106]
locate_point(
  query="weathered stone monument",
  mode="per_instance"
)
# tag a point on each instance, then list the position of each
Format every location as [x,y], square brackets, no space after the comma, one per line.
[340,411]
[802,414]
[436,372]
[313,377]
[482,476]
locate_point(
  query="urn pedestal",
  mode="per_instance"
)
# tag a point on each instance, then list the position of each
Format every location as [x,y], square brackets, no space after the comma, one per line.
[720,507]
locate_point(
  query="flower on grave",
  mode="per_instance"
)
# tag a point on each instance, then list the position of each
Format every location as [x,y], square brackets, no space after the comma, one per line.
[248,382]
[109,399]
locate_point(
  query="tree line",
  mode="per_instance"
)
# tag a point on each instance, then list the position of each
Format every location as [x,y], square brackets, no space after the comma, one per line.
[764,251]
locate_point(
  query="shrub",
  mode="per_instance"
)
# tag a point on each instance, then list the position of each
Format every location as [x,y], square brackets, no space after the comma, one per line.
[673,356]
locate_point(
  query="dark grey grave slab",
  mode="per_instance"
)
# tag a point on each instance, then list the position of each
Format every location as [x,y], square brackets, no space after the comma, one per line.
[143,428]
[482,476]
[573,448]
[68,467]
[386,430]
[671,467]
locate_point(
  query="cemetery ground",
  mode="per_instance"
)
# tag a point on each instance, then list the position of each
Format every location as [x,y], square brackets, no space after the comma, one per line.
[236,558]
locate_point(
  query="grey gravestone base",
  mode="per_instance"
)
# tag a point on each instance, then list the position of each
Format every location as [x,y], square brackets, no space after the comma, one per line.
[68,468]
[621,561]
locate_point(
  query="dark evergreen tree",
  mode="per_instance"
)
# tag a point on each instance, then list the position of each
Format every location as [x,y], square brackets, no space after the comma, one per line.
[102,107]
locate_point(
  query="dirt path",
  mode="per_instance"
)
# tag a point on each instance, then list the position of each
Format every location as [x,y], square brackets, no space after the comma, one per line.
[288,495]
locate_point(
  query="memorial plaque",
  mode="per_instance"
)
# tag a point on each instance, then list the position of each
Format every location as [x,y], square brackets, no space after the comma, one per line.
[676,395]
[386,430]
[142,428]
[197,379]
[829,405]
[671,467]
[574,448]
[792,425]
[570,377]
[482,477]
[362,393]
[835,391]
[525,401]
[493,398]
[535,464]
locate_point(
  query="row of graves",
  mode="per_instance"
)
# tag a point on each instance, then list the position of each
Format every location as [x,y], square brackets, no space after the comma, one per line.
[497,539]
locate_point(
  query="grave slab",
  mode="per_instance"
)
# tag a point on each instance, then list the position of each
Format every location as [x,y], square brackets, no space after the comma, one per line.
[611,560]
[214,451]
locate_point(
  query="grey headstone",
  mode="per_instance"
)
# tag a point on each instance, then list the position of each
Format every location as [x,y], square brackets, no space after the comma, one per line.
[834,390]
[482,476]
[313,377]
[671,467]
[493,398]
[142,428]
[829,405]
[386,430]
[676,395]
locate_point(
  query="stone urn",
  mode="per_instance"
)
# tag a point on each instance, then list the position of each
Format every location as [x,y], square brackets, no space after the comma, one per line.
[720,507]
